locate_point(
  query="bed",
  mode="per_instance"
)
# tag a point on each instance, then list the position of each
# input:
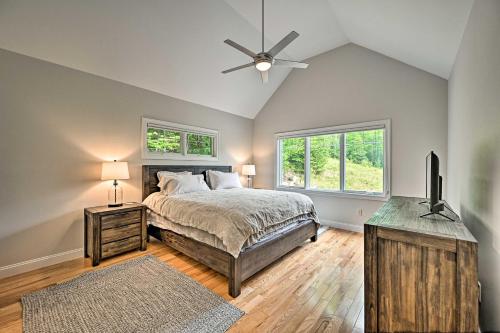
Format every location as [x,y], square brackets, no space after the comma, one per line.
[252,257]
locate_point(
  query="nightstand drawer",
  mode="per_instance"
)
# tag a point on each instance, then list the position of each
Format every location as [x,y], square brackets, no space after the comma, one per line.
[110,249]
[125,231]
[120,219]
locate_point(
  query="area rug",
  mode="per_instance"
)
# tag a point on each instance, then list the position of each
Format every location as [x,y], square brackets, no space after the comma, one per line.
[140,295]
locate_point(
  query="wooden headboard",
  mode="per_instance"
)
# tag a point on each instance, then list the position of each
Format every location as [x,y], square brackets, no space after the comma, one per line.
[150,179]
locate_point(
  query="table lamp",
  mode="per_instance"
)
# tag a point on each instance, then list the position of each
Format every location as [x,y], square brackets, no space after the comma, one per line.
[249,171]
[115,171]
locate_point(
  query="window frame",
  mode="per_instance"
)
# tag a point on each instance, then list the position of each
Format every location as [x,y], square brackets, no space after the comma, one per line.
[184,130]
[341,129]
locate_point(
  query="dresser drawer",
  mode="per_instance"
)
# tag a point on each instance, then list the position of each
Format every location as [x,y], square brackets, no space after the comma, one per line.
[120,219]
[128,244]
[124,231]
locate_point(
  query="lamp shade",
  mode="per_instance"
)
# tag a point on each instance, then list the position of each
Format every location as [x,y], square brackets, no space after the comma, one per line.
[248,170]
[114,170]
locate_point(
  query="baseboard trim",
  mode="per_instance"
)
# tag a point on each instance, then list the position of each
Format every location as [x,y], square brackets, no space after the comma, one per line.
[341,225]
[29,265]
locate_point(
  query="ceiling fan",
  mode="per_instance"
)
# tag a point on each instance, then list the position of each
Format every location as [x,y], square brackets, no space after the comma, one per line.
[263,61]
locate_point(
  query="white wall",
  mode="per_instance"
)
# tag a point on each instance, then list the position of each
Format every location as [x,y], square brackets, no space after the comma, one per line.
[353,84]
[474,147]
[56,126]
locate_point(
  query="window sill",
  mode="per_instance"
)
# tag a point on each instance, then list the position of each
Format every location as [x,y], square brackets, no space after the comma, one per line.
[349,195]
[178,157]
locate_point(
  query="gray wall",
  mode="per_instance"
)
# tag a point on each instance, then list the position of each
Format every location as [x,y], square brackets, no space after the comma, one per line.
[474,146]
[56,126]
[353,84]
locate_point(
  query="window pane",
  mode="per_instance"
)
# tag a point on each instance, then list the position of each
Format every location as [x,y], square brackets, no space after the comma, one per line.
[199,144]
[292,162]
[364,164]
[163,141]
[325,162]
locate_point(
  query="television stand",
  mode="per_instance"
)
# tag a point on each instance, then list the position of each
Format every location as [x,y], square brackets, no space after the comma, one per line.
[437,213]
[437,209]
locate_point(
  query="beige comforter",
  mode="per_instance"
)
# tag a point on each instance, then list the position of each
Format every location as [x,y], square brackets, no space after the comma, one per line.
[235,215]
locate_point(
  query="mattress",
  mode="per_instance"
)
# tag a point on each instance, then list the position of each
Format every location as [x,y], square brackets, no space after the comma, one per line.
[229,220]
[209,239]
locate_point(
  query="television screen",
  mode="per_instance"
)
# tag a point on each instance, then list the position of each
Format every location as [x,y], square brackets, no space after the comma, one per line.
[427,176]
[432,185]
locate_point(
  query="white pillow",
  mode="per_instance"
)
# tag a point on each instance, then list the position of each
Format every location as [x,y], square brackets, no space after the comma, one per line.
[221,180]
[164,176]
[180,184]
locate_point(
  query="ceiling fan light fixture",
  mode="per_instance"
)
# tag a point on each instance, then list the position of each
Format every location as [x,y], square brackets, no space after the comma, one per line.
[263,65]
[263,61]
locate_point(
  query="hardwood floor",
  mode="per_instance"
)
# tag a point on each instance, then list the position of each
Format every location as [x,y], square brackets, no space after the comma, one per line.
[315,288]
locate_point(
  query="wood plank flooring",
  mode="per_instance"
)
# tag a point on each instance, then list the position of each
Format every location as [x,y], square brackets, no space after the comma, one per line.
[315,288]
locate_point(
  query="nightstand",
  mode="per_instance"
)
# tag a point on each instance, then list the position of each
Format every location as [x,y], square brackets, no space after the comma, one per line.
[109,231]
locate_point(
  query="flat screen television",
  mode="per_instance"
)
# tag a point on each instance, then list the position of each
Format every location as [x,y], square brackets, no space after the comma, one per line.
[433,186]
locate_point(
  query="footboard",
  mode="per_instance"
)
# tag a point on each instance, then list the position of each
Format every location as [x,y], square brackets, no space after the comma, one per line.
[260,255]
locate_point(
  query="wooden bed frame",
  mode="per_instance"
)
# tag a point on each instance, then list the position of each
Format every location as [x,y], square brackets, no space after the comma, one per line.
[251,259]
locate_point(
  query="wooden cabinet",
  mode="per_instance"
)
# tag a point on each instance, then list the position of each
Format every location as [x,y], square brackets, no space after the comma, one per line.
[113,230]
[420,274]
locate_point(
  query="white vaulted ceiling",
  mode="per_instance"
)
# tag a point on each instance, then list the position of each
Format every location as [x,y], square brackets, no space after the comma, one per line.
[422,33]
[175,47]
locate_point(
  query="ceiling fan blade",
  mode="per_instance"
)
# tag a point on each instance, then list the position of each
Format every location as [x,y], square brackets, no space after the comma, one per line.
[289,63]
[283,43]
[264,76]
[236,68]
[240,48]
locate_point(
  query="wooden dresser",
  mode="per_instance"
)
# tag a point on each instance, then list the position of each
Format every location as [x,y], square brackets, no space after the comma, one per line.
[420,274]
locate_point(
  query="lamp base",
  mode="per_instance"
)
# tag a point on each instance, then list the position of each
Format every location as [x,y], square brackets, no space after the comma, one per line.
[115,195]
[249,182]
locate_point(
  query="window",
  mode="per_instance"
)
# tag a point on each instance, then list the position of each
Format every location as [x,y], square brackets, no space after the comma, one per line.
[345,160]
[325,162]
[293,162]
[364,161]
[165,140]
[199,144]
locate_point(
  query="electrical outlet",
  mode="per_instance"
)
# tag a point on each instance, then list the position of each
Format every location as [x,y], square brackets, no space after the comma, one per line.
[360,212]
